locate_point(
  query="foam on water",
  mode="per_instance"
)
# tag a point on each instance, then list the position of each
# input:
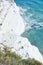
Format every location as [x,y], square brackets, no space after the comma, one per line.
[10,33]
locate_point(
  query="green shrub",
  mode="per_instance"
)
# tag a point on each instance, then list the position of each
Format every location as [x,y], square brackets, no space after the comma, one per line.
[11,58]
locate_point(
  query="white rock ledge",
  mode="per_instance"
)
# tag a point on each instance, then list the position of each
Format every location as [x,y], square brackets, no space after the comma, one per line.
[11,29]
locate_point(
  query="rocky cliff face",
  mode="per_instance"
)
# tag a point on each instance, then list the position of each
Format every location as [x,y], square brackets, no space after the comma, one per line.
[11,27]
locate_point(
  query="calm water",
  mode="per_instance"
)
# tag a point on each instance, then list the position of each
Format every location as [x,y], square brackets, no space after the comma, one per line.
[32,12]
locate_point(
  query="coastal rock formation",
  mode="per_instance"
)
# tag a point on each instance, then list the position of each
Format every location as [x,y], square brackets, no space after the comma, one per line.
[11,27]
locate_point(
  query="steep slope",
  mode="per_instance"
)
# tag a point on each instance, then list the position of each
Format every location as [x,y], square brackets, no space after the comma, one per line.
[11,27]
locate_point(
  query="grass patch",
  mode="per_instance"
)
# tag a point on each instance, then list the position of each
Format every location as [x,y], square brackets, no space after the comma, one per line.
[11,58]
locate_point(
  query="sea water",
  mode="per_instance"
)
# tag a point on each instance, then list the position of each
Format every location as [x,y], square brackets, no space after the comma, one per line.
[14,22]
[32,12]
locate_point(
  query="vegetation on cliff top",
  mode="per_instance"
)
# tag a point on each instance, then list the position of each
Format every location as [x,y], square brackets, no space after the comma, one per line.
[11,58]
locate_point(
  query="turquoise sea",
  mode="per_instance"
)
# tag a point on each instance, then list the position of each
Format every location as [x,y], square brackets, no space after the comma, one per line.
[32,12]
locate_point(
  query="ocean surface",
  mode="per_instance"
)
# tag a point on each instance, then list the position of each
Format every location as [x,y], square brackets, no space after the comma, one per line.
[32,13]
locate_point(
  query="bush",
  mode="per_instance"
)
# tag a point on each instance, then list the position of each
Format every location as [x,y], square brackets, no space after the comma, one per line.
[11,58]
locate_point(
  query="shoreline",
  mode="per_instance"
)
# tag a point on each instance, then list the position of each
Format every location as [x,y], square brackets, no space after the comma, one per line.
[11,30]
